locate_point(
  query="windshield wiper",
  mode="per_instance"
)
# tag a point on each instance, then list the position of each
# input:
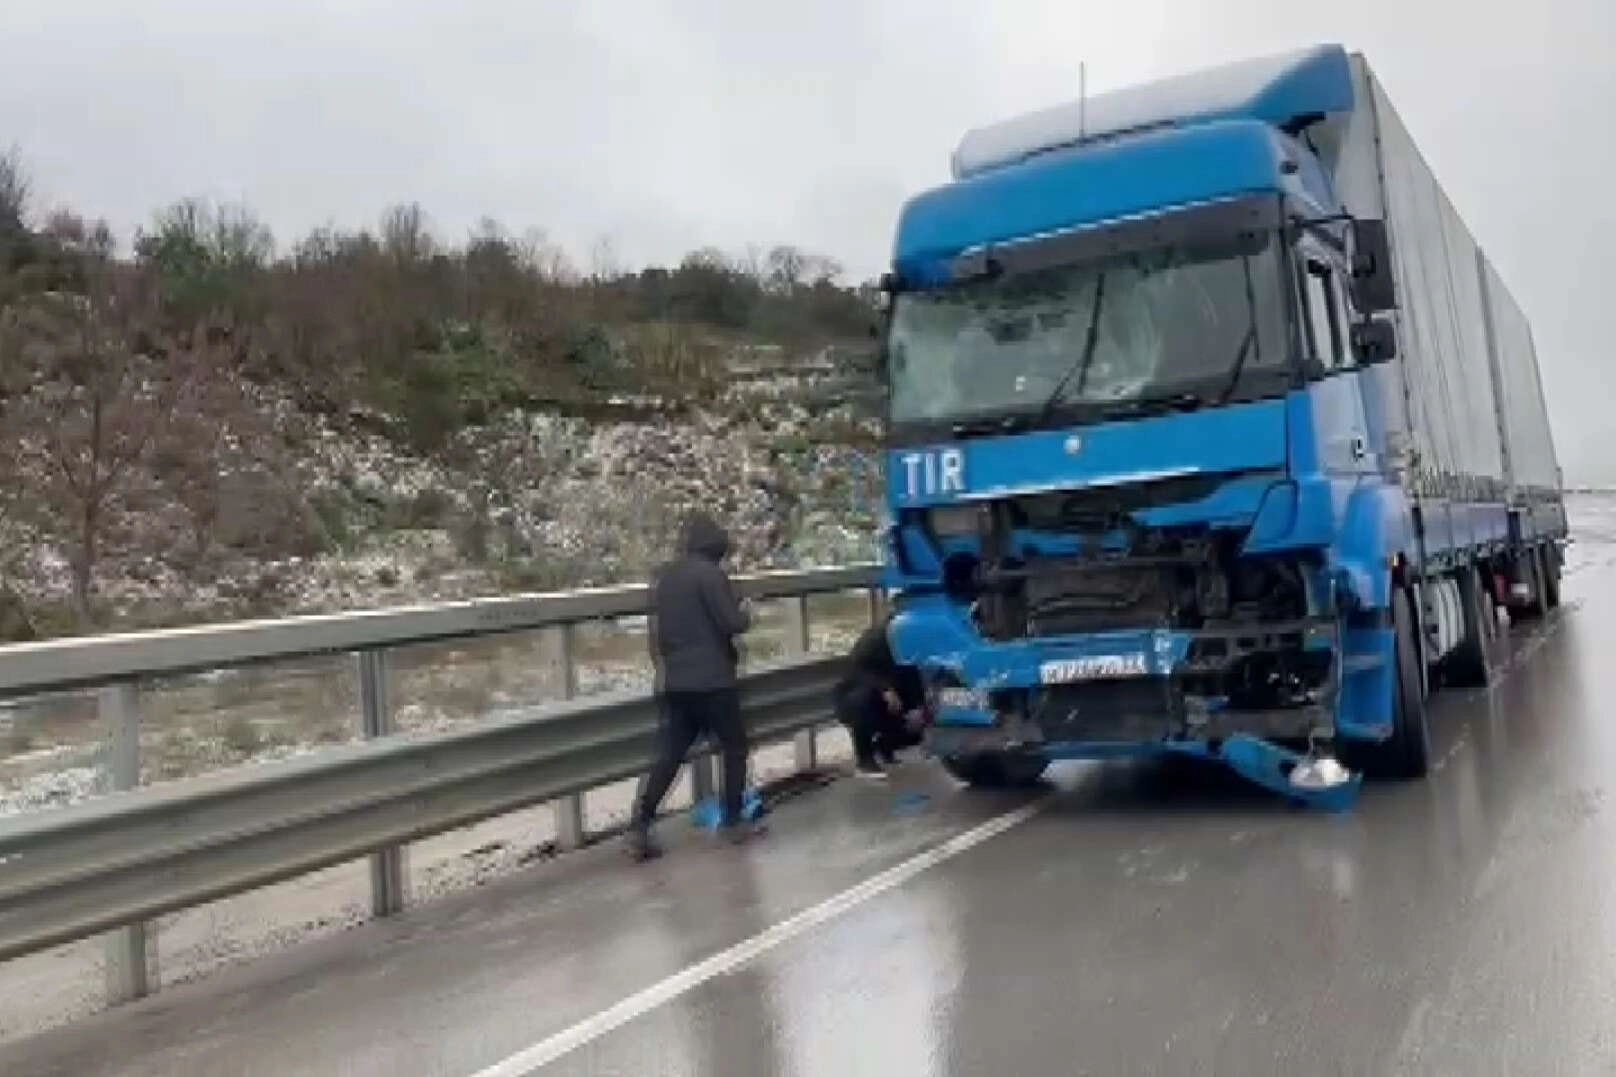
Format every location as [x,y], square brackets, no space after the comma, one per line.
[1239,365]
[1247,341]
[1079,369]
[1002,424]
[1155,405]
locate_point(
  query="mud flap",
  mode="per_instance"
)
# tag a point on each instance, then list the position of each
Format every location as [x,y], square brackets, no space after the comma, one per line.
[1269,766]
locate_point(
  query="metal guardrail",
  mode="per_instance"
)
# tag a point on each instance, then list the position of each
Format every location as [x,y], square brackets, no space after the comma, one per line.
[86,662]
[115,862]
[78,871]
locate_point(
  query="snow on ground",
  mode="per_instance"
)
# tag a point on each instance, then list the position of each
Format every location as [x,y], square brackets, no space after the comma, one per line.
[51,789]
[533,500]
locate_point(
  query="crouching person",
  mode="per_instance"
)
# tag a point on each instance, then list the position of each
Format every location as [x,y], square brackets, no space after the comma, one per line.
[881,702]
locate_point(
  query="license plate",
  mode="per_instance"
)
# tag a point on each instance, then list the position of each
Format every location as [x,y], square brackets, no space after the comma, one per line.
[1100,667]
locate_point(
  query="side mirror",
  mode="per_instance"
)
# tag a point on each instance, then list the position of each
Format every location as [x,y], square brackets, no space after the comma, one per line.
[1374,341]
[886,288]
[1372,290]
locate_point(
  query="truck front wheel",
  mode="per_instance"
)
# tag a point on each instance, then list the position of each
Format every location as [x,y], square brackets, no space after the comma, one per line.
[1408,753]
[996,770]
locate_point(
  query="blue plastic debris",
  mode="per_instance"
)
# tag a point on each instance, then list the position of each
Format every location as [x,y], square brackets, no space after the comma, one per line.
[708,814]
[1269,766]
[910,802]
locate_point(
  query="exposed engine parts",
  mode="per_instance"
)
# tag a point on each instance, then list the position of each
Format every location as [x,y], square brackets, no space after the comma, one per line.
[1061,564]
[1078,563]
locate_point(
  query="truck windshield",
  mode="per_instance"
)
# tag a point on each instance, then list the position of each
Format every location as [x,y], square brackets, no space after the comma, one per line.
[1179,326]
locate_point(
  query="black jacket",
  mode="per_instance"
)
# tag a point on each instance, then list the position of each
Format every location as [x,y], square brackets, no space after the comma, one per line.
[871,669]
[695,614]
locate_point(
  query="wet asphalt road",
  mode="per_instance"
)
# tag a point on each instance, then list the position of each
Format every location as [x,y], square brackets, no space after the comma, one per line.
[1151,920]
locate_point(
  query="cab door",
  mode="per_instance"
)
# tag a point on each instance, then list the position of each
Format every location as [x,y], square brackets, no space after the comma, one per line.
[1347,444]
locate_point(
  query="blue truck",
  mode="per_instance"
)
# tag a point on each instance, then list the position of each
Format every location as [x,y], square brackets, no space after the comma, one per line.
[1212,431]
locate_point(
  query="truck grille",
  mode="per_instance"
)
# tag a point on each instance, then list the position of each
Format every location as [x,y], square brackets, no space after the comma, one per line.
[1061,601]
[1138,709]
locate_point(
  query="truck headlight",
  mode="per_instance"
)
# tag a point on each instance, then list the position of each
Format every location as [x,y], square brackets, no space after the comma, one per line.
[955,521]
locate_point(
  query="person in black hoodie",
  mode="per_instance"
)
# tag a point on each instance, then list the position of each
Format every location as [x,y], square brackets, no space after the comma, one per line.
[695,620]
[881,702]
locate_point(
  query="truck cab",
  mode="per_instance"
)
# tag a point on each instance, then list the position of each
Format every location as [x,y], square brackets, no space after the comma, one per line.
[1144,492]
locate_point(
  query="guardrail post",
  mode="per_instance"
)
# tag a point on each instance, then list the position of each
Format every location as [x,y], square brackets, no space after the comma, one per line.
[805,746]
[877,604]
[387,866]
[703,784]
[569,810]
[131,950]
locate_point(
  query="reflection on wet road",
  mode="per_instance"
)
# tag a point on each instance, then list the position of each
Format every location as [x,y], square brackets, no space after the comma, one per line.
[1158,919]
[1165,920]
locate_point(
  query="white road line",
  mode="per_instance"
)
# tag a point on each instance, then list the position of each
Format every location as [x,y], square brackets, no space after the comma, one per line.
[642,1002]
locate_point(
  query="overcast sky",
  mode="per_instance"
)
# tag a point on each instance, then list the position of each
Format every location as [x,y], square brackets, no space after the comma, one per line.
[662,126]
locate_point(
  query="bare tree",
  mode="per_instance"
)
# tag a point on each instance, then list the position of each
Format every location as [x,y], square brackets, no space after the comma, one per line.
[791,268]
[708,258]
[15,191]
[406,234]
[604,263]
[14,623]
[824,271]
[545,259]
[78,240]
[209,260]
[753,263]
[97,396]
[785,268]
[218,461]
[240,240]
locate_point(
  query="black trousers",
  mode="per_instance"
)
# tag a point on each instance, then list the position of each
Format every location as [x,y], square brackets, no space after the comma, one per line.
[687,715]
[863,710]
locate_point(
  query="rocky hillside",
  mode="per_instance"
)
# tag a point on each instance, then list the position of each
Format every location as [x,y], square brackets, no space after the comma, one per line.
[531,500]
[209,427]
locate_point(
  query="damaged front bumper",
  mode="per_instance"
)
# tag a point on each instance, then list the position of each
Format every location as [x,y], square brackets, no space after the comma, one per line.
[1159,692]
[1140,691]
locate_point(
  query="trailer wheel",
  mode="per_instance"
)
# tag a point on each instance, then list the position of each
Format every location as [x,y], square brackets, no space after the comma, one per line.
[1531,566]
[997,770]
[1549,566]
[1470,664]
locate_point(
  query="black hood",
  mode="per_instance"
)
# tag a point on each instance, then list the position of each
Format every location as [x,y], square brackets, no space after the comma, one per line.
[704,537]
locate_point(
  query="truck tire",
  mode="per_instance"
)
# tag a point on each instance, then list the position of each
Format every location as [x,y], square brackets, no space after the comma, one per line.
[1470,664]
[1531,566]
[1406,753]
[1549,566]
[997,770]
